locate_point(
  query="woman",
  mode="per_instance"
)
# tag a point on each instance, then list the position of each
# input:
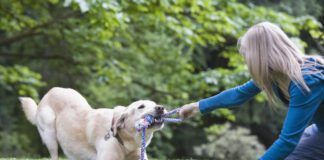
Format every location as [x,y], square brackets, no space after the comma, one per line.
[280,70]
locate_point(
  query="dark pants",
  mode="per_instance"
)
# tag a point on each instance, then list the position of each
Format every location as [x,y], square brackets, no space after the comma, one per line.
[310,146]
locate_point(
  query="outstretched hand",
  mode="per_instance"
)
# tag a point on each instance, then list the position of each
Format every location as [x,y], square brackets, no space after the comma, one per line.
[189,110]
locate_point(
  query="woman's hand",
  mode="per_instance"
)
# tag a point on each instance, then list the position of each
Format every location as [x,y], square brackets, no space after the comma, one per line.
[189,110]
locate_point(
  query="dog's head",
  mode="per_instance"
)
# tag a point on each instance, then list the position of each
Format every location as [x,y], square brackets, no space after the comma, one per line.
[125,118]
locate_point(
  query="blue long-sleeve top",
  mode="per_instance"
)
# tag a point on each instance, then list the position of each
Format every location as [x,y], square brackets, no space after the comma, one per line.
[304,109]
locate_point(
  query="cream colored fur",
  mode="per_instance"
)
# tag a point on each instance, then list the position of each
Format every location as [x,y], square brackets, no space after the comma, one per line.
[64,117]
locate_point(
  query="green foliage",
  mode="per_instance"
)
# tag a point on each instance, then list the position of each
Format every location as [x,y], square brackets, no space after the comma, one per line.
[20,79]
[15,81]
[225,143]
[13,143]
[116,52]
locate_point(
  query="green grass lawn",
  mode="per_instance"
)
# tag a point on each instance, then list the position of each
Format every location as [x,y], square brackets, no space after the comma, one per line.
[28,159]
[22,159]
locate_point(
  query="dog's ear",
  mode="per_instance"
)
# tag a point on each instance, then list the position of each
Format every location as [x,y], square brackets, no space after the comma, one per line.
[119,119]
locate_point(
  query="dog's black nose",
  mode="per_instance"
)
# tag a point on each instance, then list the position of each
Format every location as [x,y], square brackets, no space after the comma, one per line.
[159,109]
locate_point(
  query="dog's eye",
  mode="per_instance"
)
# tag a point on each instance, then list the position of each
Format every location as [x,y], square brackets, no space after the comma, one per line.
[141,106]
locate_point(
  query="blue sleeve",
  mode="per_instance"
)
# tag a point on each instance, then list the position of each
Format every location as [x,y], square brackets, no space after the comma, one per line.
[230,97]
[302,107]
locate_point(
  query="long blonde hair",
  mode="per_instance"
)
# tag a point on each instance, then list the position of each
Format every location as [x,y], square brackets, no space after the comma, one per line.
[273,59]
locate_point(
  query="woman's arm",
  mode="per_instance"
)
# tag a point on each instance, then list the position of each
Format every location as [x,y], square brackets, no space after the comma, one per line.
[230,97]
[302,107]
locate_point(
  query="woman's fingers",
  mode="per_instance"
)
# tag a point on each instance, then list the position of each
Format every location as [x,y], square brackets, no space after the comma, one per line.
[188,110]
[184,112]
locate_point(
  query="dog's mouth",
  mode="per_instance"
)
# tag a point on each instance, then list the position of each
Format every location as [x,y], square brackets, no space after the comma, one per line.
[157,121]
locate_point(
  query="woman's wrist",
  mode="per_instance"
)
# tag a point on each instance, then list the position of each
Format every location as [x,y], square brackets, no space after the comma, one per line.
[196,106]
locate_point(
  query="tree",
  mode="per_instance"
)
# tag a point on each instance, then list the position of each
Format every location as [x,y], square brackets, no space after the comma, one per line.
[115,52]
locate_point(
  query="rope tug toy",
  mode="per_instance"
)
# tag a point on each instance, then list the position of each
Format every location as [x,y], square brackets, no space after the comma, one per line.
[144,123]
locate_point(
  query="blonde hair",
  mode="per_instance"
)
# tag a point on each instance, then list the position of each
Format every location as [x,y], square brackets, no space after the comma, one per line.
[273,59]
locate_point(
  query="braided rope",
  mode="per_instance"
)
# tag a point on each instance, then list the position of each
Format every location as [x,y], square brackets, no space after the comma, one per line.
[174,111]
[143,143]
[174,120]
[149,119]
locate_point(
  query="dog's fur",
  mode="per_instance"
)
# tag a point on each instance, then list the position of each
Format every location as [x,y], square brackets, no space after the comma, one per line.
[64,117]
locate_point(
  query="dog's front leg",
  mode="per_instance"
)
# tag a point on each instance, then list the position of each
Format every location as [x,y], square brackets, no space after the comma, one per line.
[109,150]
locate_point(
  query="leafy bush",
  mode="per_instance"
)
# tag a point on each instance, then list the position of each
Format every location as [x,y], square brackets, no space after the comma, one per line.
[226,142]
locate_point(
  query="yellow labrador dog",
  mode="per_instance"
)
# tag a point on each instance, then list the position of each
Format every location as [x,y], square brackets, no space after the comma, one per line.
[64,117]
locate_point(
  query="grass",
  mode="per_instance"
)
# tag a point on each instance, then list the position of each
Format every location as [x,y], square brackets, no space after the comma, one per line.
[23,159]
[28,159]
